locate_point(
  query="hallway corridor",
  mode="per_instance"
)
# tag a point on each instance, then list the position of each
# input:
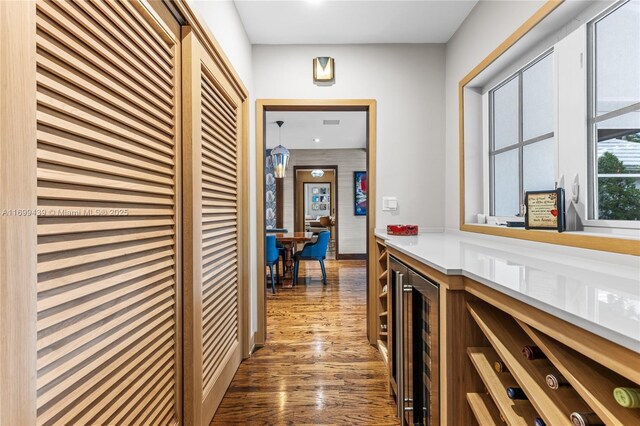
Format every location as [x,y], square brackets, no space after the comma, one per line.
[317,366]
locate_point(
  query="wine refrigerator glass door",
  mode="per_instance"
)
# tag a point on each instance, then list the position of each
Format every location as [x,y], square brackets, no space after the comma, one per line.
[423,363]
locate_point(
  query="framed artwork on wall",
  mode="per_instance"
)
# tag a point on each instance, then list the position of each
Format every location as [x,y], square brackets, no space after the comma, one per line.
[360,193]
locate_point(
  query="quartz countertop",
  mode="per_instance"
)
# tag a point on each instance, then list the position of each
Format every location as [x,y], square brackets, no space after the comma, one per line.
[597,291]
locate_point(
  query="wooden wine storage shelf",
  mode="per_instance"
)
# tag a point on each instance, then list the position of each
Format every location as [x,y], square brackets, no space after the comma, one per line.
[382,347]
[480,325]
[484,409]
[507,338]
[382,305]
[591,380]
[515,412]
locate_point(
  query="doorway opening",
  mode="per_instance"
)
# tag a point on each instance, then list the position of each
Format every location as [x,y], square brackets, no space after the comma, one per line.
[327,188]
[316,203]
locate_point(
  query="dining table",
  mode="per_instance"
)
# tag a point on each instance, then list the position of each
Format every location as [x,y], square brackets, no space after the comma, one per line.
[290,240]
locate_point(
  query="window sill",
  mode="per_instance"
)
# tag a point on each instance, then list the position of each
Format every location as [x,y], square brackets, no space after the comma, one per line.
[589,240]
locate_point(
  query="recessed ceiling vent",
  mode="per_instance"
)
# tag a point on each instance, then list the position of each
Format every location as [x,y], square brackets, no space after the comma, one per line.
[330,122]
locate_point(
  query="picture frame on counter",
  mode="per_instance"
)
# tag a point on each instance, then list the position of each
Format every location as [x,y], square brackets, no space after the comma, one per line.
[545,210]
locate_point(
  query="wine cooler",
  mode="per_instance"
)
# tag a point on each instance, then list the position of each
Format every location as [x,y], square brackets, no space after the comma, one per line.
[415,354]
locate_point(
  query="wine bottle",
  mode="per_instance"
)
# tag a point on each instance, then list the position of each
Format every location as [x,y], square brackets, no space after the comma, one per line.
[516,393]
[627,397]
[539,422]
[500,367]
[585,419]
[532,352]
[556,380]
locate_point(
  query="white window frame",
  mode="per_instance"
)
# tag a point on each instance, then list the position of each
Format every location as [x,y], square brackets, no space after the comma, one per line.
[521,142]
[592,121]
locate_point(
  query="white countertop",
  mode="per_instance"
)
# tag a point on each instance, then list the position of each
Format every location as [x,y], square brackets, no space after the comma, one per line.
[594,290]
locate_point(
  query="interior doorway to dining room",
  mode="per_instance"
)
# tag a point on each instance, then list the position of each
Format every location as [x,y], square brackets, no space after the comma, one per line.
[325,189]
[315,195]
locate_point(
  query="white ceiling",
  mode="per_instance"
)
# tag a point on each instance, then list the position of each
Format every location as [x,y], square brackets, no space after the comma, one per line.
[301,127]
[352,22]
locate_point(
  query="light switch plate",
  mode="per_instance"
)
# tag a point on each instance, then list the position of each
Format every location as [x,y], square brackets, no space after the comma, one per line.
[389,203]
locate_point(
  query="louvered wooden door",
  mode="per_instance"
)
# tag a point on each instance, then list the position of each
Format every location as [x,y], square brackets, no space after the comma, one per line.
[213,232]
[108,153]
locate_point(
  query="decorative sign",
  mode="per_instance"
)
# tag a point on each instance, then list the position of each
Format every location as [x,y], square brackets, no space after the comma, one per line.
[545,210]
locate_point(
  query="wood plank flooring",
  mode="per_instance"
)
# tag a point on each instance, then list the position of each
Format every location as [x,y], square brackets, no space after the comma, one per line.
[317,366]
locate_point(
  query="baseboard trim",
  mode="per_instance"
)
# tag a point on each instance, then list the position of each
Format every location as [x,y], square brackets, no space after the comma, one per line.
[351,256]
[252,343]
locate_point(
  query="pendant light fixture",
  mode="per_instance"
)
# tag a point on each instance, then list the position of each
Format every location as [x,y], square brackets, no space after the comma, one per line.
[280,156]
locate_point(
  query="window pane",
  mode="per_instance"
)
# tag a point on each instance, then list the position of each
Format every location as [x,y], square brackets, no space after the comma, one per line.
[537,99]
[538,162]
[618,150]
[505,114]
[617,59]
[506,184]
[619,137]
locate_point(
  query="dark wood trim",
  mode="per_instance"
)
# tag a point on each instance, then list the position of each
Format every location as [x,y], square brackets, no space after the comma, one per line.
[314,108]
[295,197]
[279,203]
[352,256]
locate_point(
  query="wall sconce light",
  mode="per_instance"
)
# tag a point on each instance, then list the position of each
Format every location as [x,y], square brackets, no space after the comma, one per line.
[323,69]
[317,173]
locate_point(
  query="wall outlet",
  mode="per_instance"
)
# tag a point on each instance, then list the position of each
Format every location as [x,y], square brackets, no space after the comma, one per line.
[389,204]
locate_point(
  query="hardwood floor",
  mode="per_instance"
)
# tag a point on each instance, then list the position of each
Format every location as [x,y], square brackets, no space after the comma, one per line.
[317,366]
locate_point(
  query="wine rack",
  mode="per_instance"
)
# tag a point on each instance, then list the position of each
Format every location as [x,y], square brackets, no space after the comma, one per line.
[590,388]
[484,409]
[515,412]
[592,381]
[383,299]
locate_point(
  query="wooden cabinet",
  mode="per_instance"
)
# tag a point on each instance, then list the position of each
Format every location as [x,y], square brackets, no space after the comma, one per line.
[480,326]
[122,214]
[382,306]
[213,232]
[590,383]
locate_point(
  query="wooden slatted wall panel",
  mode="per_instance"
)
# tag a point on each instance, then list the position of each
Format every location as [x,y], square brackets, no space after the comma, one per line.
[214,229]
[107,145]
[219,230]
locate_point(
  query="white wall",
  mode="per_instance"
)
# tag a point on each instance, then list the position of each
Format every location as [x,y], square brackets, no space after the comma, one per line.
[223,20]
[488,25]
[408,83]
[352,229]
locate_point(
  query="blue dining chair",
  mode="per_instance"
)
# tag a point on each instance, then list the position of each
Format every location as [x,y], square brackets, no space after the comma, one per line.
[272,254]
[313,251]
[281,248]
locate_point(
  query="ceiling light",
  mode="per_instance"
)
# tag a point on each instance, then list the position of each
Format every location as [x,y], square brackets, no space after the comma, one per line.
[316,139]
[280,156]
[317,173]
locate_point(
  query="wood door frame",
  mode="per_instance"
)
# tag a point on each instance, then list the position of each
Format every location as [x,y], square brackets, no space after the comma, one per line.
[264,105]
[296,212]
[18,233]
